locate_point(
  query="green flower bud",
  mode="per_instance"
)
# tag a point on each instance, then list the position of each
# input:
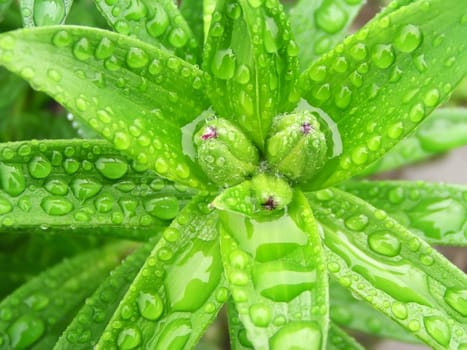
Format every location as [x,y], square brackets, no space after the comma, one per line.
[297,147]
[263,196]
[225,154]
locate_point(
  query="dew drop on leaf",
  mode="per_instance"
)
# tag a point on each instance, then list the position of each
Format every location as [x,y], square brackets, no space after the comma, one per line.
[12,179]
[399,310]
[82,49]
[165,208]
[150,305]
[157,25]
[136,58]
[297,335]
[457,299]
[85,188]
[56,206]
[178,37]
[438,329]
[383,56]
[39,167]
[356,222]
[223,64]
[104,49]
[129,338]
[384,243]
[175,335]
[330,17]
[25,331]
[112,168]
[260,314]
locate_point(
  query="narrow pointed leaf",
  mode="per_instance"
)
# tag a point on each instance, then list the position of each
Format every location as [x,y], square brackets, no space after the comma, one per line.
[192,11]
[84,331]
[44,13]
[81,187]
[381,82]
[139,108]
[209,6]
[358,315]
[252,59]
[179,289]
[38,312]
[158,23]
[436,212]
[277,277]
[442,131]
[397,272]
[237,332]
[340,340]
[319,25]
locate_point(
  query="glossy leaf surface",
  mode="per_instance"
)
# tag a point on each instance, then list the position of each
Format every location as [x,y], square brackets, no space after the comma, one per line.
[434,211]
[179,289]
[89,323]
[382,81]
[278,282]
[78,64]
[35,315]
[319,25]
[340,340]
[44,12]
[252,59]
[158,23]
[358,315]
[77,186]
[442,131]
[394,270]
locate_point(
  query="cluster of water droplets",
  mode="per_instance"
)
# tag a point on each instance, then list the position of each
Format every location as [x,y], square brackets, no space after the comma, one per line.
[392,269]
[269,282]
[83,184]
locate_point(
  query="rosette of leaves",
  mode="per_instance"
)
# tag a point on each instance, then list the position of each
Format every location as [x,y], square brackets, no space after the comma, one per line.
[283,252]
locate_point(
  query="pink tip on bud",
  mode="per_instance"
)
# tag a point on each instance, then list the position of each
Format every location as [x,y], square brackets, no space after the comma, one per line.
[306,128]
[209,133]
[270,204]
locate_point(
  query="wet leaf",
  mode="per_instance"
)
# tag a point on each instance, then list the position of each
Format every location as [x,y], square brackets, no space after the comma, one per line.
[381,82]
[278,282]
[435,212]
[339,339]
[118,87]
[398,273]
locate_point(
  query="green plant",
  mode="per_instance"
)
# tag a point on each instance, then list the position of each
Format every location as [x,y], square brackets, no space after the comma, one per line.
[258,210]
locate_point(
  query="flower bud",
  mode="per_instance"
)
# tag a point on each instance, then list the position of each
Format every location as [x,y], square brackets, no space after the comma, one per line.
[297,147]
[225,154]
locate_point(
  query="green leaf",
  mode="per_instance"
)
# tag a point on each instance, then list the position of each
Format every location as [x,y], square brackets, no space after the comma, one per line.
[252,59]
[209,6]
[44,13]
[397,272]
[140,108]
[34,316]
[358,315]
[278,282]
[178,291]
[340,340]
[442,131]
[237,332]
[319,25]
[4,5]
[434,211]
[84,331]
[81,187]
[158,23]
[380,83]
[192,11]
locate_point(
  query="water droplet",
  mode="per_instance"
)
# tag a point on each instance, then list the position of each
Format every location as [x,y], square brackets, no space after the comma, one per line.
[56,206]
[399,310]
[317,73]
[260,314]
[104,49]
[223,64]
[384,243]
[85,188]
[25,331]
[330,17]
[150,305]
[360,155]
[178,37]
[356,222]
[340,64]
[343,97]
[297,336]
[438,329]
[165,208]
[358,51]
[37,301]
[457,299]
[82,49]
[408,38]
[54,75]
[136,58]
[12,179]
[395,130]
[242,76]
[159,23]
[48,12]
[175,335]
[104,203]
[5,206]
[431,98]
[383,55]
[39,167]
[112,168]
[129,338]
[417,112]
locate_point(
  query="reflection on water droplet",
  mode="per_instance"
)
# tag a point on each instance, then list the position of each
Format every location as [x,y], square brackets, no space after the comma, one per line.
[297,336]
[150,305]
[25,331]
[173,336]
[129,338]
[223,64]
[383,55]
[39,167]
[48,12]
[457,299]
[438,329]
[408,38]
[260,314]
[384,243]
[330,17]
[56,206]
